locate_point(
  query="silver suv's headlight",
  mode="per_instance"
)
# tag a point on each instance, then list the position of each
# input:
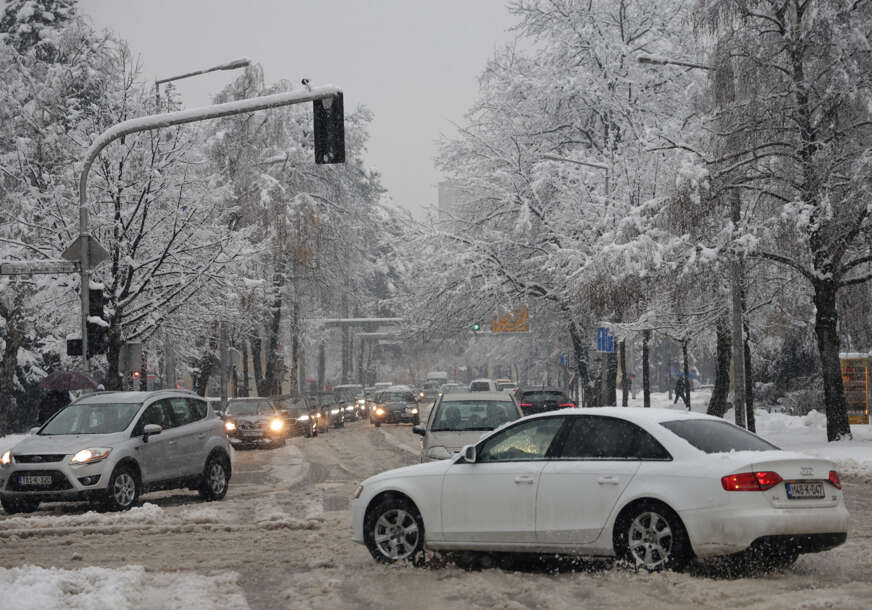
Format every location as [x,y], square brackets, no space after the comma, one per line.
[91,455]
[6,458]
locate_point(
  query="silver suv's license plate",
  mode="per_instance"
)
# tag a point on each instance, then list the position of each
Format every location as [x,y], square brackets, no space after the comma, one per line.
[804,490]
[34,479]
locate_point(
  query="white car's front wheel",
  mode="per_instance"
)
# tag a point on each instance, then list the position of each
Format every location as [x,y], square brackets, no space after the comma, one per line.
[394,531]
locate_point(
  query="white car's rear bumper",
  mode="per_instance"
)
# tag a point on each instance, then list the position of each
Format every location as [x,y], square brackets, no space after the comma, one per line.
[732,529]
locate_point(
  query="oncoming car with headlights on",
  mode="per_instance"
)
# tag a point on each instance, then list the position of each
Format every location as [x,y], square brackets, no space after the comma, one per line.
[656,487]
[254,422]
[395,405]
[110,447]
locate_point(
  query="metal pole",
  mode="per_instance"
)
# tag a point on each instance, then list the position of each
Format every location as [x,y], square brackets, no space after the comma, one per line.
[159,121]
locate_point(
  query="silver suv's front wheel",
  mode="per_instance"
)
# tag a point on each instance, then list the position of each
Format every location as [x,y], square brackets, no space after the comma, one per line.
[123,490]
[215,478]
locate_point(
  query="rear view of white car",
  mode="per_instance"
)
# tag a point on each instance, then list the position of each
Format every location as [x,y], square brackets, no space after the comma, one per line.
[111,447]
[656,487]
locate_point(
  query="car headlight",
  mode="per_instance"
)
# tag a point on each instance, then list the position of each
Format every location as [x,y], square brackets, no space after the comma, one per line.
[91,456]
[414,411]
[6,458]
[361,401]
[438,453]
[349,408]
[229,426]
[276,425]
[318,415]
[334,411]
[357,491]
[303,418]
[379,411]
[420,394]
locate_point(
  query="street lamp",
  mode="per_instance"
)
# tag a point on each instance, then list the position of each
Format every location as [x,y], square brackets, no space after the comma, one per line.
[243,62]
[737,271]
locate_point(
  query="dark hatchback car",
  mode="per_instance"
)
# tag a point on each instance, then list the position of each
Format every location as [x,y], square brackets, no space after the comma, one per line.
[254,422]
[394,407]
[323,405]
[538,399]
[300,416]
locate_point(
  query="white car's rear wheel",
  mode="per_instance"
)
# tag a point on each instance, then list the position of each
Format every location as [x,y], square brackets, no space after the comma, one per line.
[394,531]
[650,536]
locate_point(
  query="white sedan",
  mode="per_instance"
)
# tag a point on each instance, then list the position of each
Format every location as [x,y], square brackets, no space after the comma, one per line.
[654,486]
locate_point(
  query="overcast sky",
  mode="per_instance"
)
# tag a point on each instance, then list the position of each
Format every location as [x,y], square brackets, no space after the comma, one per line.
[415,63]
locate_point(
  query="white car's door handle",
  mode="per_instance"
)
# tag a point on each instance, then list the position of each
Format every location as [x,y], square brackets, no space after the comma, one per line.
[608,480]
[171,442]
[201,435]
[523,479]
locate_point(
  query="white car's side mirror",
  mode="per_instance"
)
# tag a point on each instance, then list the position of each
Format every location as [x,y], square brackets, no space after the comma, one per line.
[469,454]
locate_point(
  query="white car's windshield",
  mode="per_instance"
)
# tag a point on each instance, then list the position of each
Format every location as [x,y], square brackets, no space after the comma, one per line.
[91,419]
[460,415]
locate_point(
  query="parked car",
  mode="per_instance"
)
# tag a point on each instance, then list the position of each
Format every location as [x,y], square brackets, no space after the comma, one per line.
[460,419]
[656,487]
[254,422]
[482,385]
[395,405]
[351,399]
[111,447]
[538,399]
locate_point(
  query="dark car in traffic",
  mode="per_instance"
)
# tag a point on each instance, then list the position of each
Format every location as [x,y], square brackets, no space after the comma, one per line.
[394,406]
[300,416]
[538,399]
[254,422]
[350,398]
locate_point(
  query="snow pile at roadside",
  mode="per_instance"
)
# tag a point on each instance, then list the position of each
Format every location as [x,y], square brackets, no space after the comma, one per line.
[32,587]
[9,441]
[141,516]
[808,434]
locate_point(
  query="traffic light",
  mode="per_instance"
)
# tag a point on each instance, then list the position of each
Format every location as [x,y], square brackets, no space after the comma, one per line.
[137,374]
[98,332]
[476,326]
[329,119]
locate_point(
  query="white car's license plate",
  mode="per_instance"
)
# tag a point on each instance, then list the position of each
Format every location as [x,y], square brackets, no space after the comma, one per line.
[802,490]
[34,479]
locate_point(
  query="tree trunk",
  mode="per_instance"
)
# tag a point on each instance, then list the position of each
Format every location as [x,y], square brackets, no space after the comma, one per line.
[686,396]
[625,377]
[583,376]
[295,346]
[257,361]
[245,377]
[825,327]
[646,370]
[13,340]
[718,404]
[749,385]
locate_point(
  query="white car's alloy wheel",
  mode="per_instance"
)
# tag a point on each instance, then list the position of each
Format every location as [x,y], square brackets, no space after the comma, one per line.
[649,540]
[396,534]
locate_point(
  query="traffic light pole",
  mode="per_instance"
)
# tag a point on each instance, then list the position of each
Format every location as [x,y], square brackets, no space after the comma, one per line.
[160,121]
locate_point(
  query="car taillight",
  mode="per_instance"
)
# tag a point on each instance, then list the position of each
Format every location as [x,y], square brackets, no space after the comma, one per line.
[525,404]
[570,405]
[834,479]
[751,481]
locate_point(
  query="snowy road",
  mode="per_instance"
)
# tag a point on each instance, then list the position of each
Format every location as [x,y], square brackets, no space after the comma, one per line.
[281,539]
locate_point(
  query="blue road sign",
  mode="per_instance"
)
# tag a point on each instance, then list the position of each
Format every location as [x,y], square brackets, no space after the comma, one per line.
[605,341]
[564,359]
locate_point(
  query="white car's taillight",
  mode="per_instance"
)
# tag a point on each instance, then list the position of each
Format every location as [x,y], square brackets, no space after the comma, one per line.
[834,479]
[751,481]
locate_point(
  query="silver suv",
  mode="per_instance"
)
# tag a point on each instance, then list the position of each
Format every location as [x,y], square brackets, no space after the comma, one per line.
[110,447]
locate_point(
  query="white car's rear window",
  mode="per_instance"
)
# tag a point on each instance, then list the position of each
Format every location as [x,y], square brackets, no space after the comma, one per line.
[717,436]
